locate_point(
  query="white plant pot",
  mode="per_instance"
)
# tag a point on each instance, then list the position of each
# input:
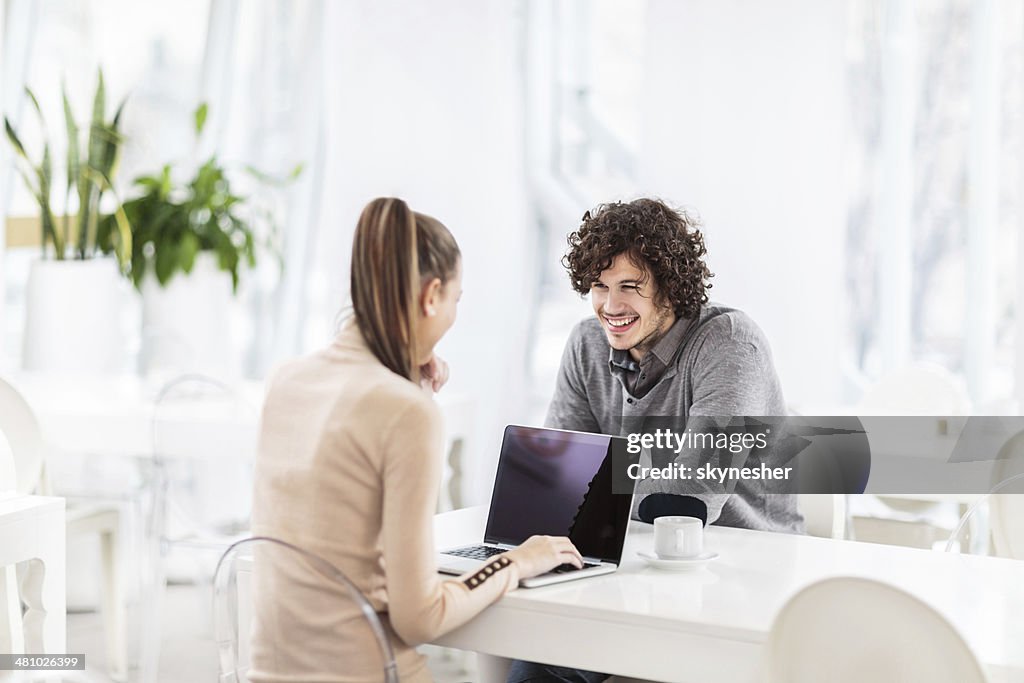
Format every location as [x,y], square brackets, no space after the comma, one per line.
[186,325]
[73,317]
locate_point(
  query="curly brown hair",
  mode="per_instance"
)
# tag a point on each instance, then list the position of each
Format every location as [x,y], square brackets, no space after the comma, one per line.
[665,242]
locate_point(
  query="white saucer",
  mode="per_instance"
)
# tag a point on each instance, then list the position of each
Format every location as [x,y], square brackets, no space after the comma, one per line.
[678,565]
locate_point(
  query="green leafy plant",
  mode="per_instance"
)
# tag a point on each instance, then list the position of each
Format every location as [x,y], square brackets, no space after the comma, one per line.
[89,176]
[172,223]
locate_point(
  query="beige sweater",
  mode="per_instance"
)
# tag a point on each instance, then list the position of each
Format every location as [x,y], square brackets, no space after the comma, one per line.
[349,464]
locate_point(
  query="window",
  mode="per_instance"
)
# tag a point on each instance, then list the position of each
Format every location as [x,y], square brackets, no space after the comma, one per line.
[599,68]
[934,202]
[257,65]
[585,68]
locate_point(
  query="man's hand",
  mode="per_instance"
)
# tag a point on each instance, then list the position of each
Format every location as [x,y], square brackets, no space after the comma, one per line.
[434,373]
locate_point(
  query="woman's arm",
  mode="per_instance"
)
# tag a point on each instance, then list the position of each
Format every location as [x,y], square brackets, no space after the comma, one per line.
[422,605]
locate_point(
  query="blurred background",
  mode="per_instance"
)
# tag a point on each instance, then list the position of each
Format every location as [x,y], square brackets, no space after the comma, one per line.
[857,165]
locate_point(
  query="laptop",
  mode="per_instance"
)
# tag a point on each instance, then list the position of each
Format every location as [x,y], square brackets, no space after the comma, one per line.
[556,483]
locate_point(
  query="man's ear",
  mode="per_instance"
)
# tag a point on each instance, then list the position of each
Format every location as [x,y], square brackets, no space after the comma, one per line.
[430,297]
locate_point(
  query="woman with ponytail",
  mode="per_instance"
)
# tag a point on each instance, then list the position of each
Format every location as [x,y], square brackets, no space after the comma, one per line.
[349,464]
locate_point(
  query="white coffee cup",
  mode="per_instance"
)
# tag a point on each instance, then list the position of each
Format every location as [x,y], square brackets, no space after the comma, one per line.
[678,538]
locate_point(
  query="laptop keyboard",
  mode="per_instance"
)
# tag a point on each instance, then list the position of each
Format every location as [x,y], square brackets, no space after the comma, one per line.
[476,552]
[483,552]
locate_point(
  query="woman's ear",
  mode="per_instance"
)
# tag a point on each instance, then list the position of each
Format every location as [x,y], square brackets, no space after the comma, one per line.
[430,297]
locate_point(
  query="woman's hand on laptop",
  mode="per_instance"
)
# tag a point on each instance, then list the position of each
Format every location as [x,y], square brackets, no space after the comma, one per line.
[541,554]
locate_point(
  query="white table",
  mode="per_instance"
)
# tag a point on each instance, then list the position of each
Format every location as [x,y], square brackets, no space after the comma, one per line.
[113,415]
[32,529]
[711,624]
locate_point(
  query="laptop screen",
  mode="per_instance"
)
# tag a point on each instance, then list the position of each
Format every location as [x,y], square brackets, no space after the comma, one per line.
[558,483]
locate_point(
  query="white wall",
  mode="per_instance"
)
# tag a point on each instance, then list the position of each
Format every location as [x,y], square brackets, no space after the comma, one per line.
[744,121]
[425,104]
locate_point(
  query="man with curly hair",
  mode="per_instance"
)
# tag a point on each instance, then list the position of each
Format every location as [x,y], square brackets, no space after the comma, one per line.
[657,347]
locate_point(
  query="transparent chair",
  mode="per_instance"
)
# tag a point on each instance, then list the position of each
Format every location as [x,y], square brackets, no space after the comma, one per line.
[993,524]
[284,612]
[852,629]
[203,436]
[185,449]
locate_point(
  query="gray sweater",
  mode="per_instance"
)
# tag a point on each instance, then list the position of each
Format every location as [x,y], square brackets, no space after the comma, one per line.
[723,368]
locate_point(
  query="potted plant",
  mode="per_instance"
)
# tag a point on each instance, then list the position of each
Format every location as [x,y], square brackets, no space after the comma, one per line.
[72,313]
[190,241]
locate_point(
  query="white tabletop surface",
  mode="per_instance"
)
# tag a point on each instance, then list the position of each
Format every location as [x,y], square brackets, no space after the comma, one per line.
[735,598]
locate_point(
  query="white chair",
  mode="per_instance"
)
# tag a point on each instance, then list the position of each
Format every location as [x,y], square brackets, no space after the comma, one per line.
[825,514]
[921,389]
[849,630]
[459,412]
[1006,513]
[32,566]
[263,588]
[25,440]
[1006,500]
[11,633]
[19,425]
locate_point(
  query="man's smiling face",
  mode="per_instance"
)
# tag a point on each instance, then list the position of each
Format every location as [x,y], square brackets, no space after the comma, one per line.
[624,299]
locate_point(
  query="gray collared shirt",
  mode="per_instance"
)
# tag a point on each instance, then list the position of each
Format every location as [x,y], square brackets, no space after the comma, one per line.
[639,377]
